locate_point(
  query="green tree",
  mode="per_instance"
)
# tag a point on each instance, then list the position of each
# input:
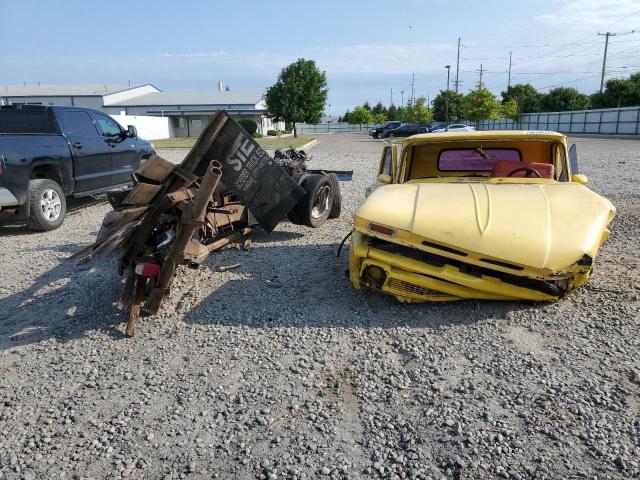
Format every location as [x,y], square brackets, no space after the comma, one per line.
[299,94]
[480,104]
[619,92]
[392,112]
[366,106]
[379,109]
[360,116]
[525,95]
[455,106]
[378,118]
[419,112]
[346,116]
[564,99]
[510,110]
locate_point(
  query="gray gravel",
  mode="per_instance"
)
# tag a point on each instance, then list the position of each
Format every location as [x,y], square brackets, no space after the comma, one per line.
[279,369]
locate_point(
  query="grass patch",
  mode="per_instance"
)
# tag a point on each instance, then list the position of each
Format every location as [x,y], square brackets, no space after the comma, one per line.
[268,143]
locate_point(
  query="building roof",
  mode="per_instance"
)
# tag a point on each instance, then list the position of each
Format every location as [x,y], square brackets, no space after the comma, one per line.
[194,98]
[65,90]
[484,135]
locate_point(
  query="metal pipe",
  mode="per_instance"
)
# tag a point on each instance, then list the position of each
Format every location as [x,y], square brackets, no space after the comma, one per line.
[207,187]
[192,217]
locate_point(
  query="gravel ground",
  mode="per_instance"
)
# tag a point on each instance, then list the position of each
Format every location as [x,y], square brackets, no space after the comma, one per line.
[280,369]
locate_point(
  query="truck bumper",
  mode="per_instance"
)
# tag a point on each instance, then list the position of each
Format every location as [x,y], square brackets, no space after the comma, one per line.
[7,199]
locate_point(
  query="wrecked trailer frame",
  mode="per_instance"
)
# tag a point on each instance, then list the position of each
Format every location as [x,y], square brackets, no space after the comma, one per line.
[177,214]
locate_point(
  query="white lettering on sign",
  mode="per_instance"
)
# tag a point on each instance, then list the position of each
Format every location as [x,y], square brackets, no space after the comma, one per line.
[245,149]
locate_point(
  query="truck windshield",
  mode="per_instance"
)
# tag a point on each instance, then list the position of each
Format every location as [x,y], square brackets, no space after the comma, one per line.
[23,121]
[474,159]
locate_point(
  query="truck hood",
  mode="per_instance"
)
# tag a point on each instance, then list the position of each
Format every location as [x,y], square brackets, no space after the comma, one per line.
[540,225]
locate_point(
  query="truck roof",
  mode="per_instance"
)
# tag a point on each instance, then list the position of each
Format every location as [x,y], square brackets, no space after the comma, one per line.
[484,135]
[32,107]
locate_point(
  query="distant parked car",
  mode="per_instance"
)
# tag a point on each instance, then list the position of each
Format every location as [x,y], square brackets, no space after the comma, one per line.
[456,127]
[378,131]
[405,130]
[436,126]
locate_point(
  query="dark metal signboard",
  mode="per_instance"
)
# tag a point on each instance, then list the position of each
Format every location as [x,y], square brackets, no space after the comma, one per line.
[253,175]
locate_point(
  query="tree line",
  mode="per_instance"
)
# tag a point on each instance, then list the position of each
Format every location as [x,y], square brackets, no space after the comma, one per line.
[300,95]
[480,103]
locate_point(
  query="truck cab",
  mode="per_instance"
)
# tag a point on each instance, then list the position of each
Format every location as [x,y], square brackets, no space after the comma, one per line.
[48,153]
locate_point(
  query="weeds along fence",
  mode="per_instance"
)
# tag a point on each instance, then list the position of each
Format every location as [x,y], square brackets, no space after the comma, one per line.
[609,121]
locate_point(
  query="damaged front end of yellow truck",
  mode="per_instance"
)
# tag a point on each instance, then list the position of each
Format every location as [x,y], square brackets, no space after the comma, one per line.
[478,215]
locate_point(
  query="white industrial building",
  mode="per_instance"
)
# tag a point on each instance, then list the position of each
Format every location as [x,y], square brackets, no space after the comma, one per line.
[179,114]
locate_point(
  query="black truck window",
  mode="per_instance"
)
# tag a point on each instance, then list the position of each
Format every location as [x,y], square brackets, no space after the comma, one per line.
[107,126]
[80,123]
[17,120]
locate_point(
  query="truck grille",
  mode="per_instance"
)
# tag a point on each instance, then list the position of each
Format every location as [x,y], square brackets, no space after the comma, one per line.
[408,287]
[466,268]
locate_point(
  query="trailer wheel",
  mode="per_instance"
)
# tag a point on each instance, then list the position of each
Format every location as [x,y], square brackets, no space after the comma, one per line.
[293,215]
[314,208]
[47,205]
[336,196]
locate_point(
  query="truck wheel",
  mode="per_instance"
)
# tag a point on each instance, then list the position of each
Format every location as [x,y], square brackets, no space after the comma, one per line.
[47,205]
[293,215]
[336,196]
[314,208]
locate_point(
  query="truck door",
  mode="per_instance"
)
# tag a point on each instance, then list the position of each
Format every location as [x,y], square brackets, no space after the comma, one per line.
[124,154]
[91,155]
[387,167]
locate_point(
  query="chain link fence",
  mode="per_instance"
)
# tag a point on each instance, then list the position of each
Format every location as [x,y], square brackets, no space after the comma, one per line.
[333,127]
[609,121]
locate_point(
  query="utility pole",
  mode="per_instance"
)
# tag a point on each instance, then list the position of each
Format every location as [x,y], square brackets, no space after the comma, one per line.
[458,67]
[480,76]
[509,81]
[401,98]
[413,79]
[446,103]
[604,59]
[391,98]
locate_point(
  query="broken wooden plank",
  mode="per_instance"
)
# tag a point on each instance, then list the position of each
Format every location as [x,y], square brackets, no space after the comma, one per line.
[142,194]
[155,168]
[116,219]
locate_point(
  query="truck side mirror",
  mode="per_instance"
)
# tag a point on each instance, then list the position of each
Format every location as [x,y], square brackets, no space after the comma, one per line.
[131,131]
[573,159]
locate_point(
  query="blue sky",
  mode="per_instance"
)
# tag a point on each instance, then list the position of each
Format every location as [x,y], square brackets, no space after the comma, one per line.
[366,48]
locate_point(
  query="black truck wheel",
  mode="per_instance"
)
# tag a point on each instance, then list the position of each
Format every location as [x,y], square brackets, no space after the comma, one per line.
[47,205]
[314,208]
[336,196]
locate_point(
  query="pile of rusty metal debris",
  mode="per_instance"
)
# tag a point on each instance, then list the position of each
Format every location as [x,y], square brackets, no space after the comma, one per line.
[178,214]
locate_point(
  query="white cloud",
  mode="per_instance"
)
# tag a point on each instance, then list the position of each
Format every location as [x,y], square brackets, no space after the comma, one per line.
[593,14]
[380,59]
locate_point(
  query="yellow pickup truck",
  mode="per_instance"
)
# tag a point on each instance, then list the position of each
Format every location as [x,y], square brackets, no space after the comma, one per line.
[495,215]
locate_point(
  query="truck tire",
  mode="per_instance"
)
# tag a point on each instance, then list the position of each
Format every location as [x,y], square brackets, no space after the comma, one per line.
[293,215]
[314,208]
[47,205]
[336,196]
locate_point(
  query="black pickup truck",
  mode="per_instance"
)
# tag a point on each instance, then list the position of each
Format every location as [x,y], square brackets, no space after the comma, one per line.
[48,153]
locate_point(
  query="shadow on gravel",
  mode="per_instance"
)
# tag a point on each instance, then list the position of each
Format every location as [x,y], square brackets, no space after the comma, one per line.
[9,228]
[62,304]
[306,286]
[279,284]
